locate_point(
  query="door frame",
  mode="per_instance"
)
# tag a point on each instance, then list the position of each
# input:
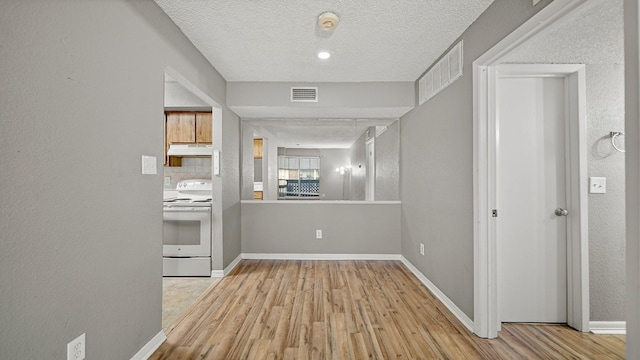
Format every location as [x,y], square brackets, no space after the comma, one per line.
[370,187]
[575,152]
[486,321]
[217,241]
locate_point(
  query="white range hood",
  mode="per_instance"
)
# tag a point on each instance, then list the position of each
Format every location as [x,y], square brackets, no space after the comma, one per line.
[190,150]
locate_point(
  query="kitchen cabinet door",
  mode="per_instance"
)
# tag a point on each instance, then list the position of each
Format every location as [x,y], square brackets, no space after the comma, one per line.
[181,127]
[257,148]
[203,128]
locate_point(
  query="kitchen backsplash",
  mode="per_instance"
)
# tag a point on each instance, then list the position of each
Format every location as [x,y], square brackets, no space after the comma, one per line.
[192,168]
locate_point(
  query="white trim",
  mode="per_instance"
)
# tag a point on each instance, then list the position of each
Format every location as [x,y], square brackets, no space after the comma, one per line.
[576,180]
[464,319]
[264,256]
[227,270]
[150,347]
[232,266]
[608,327]
[532,27]
[484,250]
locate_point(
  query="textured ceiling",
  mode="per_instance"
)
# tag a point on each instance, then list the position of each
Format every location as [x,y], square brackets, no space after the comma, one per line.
[260,40]
[593,34]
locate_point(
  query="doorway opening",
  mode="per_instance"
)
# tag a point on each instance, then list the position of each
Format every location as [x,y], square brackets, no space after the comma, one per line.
[185,100]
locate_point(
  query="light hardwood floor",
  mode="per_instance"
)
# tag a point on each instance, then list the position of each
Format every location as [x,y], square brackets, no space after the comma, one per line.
[272,309]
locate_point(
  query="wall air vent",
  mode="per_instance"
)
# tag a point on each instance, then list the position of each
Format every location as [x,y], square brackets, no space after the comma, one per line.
[304,94]
[442,74]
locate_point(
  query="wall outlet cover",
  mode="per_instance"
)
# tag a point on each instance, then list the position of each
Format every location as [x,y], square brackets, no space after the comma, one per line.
[76,348]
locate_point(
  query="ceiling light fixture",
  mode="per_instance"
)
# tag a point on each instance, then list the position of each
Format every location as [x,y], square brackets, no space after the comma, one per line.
[328,21]
[324,55]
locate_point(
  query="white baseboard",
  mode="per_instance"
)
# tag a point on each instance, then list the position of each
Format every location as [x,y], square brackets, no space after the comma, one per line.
[223,273]
[608,327]
[232,266]
[150,347]
[464,319]
[263,256]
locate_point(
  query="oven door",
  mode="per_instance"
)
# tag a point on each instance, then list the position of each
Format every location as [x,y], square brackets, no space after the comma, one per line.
[186,231]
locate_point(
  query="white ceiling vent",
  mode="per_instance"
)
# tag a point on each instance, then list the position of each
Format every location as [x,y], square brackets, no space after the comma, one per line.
[304,94]
[442,74]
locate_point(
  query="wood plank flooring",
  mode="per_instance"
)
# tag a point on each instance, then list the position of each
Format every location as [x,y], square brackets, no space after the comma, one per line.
[272,309]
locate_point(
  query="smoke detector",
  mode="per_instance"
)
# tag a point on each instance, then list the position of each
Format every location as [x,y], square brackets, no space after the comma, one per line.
[328,20]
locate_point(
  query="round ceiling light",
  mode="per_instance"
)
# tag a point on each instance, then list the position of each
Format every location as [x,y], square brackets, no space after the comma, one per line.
[328,20]
[324,55]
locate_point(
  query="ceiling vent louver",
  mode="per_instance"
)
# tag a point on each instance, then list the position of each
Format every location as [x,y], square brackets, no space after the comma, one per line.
[442,74]
[304,94]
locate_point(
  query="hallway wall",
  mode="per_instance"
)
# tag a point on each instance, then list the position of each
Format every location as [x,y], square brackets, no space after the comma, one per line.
[436,157]
[82,99]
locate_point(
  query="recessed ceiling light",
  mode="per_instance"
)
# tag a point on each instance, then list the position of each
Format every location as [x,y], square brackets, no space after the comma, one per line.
[324,55]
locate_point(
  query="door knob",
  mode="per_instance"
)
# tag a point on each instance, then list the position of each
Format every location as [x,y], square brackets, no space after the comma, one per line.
[561,212]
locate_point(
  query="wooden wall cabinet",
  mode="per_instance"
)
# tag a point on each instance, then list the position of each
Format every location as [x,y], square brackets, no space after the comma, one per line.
[182,127]
[257,148]
[203,128]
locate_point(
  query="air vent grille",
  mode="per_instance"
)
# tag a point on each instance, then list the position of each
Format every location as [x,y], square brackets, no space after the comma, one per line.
[304,94]
[442,74]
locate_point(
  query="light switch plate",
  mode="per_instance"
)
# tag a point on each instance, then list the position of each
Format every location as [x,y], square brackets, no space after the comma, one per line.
[216,162]
[149,165]
[597,185]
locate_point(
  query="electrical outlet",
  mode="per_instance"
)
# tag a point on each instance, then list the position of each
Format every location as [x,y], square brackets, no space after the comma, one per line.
[318,234]
[76,348]
[421,249]
[167,180]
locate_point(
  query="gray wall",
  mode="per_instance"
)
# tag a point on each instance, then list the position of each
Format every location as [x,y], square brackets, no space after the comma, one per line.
[332,183]
[436,149]
[230,169]
[387,158]
[289,227]
[605,113]
[387,171]
[632,171]
[358,171]
[177,98]
[335,100]
[88,75]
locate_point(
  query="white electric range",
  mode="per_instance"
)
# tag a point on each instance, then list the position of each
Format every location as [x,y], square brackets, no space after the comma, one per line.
[187,222]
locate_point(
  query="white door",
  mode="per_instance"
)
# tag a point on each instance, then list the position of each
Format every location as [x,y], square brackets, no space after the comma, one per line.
[371,171]
[531,185]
